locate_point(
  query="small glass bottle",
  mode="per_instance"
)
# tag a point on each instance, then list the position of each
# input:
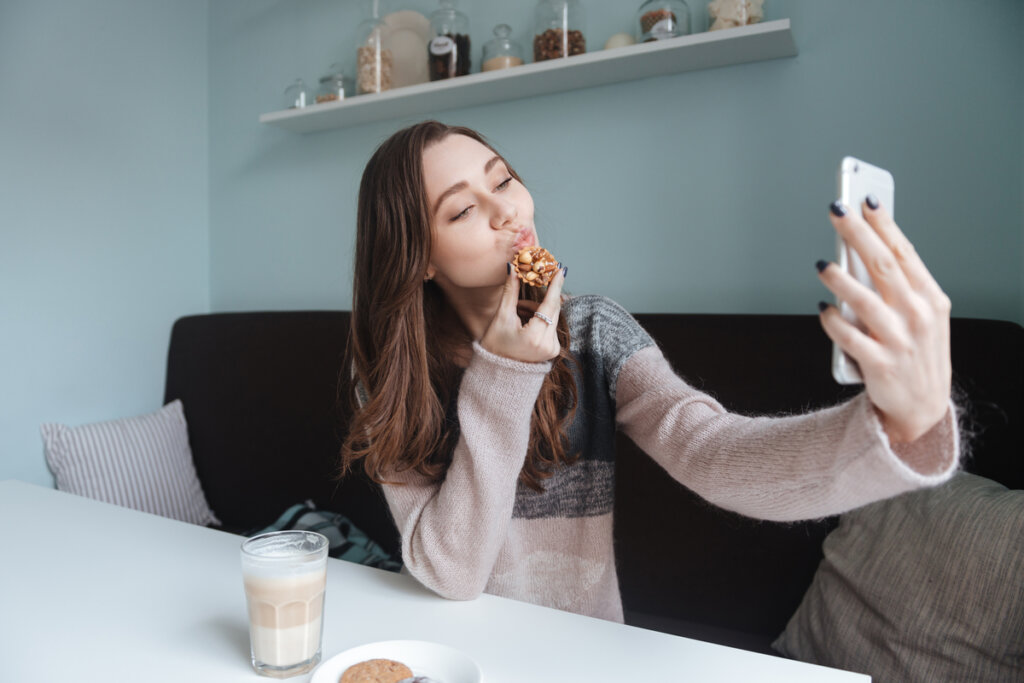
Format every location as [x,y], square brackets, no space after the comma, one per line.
[732,13]
[334,85]
[374,59]
[661,19]
[501,52]
[448,50]
[296,95]
[559,29]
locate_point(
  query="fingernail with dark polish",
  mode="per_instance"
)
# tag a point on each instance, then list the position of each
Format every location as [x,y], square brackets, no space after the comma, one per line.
[565,272]
[837,208]
[508,269]
[872,201]
[821,265]
[822,306]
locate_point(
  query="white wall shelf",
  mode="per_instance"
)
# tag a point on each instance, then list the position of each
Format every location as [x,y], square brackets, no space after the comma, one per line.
[758,42]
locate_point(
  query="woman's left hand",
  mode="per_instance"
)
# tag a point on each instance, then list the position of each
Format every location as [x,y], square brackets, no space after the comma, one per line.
[904,355]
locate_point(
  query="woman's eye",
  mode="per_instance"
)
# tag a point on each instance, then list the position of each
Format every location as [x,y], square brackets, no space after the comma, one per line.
[461,214]
[504,183]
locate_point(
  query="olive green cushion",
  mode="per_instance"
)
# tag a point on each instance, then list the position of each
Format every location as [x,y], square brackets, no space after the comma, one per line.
[927,586]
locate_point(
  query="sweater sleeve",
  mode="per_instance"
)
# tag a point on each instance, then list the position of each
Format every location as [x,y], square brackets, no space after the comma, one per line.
[453,530]
[775,468]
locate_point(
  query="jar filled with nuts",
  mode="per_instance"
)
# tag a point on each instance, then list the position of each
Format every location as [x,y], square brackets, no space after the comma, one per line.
[559,29]
[448,50]
[374,58]
[661,19]
[334,85]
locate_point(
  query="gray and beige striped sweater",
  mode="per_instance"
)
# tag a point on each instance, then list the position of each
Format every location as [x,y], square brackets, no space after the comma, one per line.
[479,530]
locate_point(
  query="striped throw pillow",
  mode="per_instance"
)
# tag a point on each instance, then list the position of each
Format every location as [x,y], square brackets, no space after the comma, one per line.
[141,462]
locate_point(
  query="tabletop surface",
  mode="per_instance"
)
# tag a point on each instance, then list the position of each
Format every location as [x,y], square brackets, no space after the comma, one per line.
[94,592]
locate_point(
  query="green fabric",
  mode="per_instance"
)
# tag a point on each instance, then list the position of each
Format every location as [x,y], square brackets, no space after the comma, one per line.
[927,586]
[346,541]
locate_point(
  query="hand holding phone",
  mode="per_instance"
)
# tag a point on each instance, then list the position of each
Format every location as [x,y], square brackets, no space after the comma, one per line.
[902,351]
[856,180]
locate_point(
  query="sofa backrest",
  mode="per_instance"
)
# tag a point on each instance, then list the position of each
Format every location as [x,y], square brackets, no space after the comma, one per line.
[265,418]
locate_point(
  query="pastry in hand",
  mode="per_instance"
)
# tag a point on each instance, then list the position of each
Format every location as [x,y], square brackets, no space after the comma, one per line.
[376,671]
[535,266]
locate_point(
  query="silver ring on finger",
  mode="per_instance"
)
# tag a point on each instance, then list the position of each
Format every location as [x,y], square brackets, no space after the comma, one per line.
[543,317]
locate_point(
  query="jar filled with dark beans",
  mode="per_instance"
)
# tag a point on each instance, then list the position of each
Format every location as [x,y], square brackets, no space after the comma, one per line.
[448,51]
[559,29]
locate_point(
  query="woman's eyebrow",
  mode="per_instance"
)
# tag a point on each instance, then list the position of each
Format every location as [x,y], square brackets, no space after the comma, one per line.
[491,162]
[462,184]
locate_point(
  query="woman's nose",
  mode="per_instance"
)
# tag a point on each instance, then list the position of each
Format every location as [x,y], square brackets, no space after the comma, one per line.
[503,213]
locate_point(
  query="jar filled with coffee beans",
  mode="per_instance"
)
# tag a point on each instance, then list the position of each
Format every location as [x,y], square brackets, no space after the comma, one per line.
[661,19]
[559,29]
[448,50]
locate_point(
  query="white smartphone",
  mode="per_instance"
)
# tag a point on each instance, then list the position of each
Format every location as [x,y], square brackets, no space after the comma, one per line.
[857,179]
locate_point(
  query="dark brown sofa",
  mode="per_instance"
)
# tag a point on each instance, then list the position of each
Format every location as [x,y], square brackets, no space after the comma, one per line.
[260,392]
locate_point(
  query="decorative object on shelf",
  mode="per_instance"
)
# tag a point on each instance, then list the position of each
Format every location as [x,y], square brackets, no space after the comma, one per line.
[501,52]
[619,40]
[296,95]
[374,60]
[559,29]
[408,34]
[334,85]
[661,19]
[448,55]
[733,13]
[758,43]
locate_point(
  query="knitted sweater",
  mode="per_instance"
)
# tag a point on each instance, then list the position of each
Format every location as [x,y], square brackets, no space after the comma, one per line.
[481,530]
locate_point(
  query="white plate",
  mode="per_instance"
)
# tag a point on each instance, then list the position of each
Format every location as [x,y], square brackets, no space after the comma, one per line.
[408,36]
[441,662]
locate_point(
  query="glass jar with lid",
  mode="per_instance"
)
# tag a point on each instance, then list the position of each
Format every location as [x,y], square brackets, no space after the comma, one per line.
[334,85]
[501,52]
[558,29]
[296,95]
[661,19]
[448,50]
[374,58]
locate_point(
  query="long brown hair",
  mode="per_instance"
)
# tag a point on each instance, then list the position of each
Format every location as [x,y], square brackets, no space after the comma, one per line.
[405,335]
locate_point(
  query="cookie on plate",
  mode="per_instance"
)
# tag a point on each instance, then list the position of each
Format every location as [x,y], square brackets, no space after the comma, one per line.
[376,671]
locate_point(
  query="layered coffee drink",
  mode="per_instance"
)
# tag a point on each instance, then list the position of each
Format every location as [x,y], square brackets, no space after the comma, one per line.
[285,575]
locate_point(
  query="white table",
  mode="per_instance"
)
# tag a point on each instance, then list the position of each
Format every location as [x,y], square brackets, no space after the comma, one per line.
[94,592]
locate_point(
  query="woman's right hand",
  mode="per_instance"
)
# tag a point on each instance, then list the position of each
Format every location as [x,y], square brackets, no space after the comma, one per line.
[534,341]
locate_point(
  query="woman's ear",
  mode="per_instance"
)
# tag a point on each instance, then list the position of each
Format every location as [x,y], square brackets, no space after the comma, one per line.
[430,274]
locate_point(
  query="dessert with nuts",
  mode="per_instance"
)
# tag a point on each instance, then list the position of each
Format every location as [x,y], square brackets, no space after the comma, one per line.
[376,671]
[535,266]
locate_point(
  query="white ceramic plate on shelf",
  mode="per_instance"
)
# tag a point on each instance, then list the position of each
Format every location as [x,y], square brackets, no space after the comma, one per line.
[408,36]
[440,662]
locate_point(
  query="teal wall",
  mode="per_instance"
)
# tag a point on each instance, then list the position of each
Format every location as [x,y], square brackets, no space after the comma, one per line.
[704,191]
[103,208]
[136,184]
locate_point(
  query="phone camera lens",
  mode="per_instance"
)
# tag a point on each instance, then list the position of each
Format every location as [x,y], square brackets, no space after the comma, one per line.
[856,167]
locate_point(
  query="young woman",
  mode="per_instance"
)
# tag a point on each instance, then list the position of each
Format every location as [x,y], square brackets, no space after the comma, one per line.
[487,408]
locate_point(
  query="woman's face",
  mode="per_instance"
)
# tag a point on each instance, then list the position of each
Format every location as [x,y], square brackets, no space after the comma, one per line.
[479,214]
